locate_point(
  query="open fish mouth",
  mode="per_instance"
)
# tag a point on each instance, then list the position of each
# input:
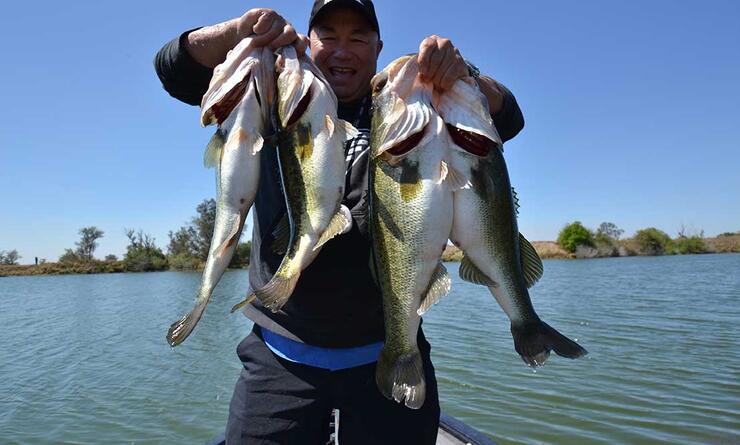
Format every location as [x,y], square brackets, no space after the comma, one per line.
[473,143]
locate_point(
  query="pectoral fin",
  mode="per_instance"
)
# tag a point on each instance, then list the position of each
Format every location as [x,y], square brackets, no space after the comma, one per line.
[214,149]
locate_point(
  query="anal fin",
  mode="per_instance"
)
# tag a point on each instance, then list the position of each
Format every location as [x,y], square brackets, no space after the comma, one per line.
[340,223]
[233,236]
[439,286]
[250,298]
[470,273]
[277,292]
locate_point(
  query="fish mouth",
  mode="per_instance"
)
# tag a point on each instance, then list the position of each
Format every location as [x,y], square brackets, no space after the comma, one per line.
[300,109]
[408,144]
[473,143]
[221,110]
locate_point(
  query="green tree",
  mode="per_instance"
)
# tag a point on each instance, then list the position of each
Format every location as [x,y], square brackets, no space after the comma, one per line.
[111,258]
[608,232]
[691,244]
[182,250]
[574,235]
[241,255]
[69,256]
[9,258]
[183,242]
[88,242]
[203,224]
[652,241]
[142,255]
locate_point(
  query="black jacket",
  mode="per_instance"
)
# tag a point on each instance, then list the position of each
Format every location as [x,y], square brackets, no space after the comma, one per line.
[336,303]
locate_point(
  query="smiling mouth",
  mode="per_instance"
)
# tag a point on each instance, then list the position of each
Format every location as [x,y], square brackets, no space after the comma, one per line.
[342,72]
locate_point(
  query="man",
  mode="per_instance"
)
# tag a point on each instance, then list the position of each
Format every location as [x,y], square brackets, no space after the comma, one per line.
[319,351]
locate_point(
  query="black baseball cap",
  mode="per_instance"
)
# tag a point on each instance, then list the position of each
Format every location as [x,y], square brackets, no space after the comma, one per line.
[364,7]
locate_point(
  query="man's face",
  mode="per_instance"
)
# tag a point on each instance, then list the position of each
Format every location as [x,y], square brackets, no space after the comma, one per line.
[345,48]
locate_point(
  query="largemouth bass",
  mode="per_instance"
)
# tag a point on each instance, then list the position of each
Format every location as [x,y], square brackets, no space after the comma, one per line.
[238,101]
[310,141]
[485,224]
[410,220]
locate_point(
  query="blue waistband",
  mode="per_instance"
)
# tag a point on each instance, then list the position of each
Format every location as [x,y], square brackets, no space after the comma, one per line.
[327,358]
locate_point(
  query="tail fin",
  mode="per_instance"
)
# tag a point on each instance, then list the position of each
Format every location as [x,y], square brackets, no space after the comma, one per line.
[275,293]
[401,378]
[180,329]
[534,341]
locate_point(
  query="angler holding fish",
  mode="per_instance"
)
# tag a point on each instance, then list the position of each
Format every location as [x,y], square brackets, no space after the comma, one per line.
[319,350]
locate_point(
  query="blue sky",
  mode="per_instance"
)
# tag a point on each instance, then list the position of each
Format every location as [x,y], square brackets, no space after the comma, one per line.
[632,112]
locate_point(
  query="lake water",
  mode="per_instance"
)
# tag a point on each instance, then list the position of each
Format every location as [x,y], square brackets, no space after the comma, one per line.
[83,359]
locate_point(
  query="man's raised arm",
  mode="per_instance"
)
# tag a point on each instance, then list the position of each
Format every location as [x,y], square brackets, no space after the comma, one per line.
[185,64]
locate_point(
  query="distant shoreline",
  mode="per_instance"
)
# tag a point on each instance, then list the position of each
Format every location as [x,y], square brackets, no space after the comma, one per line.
[625,248]
[80,268]
[546,250]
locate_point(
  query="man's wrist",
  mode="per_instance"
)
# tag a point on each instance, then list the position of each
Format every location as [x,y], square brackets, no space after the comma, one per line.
[209,45]
[493,94]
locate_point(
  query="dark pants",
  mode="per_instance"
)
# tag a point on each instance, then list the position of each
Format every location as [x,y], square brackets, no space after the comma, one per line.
[284,403]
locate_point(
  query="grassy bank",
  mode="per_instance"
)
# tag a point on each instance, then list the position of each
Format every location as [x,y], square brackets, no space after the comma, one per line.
[88,267]
[546,250]
[628,247]
[80,268]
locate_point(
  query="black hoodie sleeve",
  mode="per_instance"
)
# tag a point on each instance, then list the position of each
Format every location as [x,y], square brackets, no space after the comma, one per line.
[181,76]
[509,121]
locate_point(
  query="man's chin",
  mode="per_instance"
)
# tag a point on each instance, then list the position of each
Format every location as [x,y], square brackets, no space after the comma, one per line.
[344,93]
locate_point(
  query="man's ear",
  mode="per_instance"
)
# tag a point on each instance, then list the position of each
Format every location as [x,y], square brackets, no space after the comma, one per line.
[380,47]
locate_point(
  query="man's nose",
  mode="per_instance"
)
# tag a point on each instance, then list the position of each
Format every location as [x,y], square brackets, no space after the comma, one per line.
[342,52]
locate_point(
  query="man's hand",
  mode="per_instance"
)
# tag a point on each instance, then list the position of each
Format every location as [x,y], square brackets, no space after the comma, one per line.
[440,62]
[267,27]
[209,45]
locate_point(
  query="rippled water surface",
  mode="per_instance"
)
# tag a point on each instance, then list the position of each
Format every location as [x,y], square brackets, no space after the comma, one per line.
[83,358]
